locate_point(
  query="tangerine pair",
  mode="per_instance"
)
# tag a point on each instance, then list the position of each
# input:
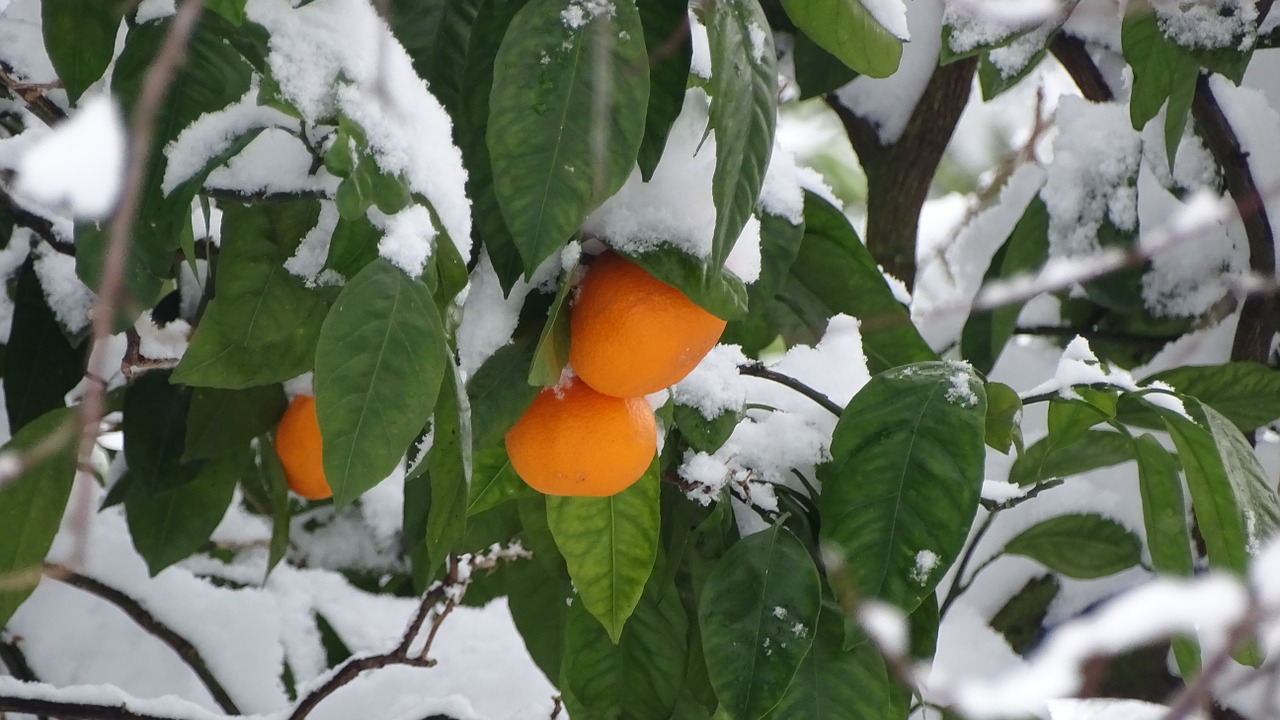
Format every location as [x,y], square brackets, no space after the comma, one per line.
[631,335]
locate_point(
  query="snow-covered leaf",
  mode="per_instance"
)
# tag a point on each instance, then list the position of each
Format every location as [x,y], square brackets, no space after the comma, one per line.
[169,525]
[1083,546]
[80,37]
[380,358]
[610,545]
[31,508]
[712,287]
[744,109]
[758,615]
[904,480]
[566,117]
[1247,394]
[848,31]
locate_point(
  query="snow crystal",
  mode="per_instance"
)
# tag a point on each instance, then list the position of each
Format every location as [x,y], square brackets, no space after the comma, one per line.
[706,476]
[700,62]
[780,612]
[149,10]
[80,165]
[1096,159]
[958,390]
[714,386]
[581,12]
[1188,282]
[162,343]
[886,625]
[70,299]
[1208,24]
[759,40]
[976,23]
[1079,366]
[800,630]
[1000,491]
[307,262]
[213,133]
[408,237]
[891,14]
[926,563]
[896,286]
[782,193]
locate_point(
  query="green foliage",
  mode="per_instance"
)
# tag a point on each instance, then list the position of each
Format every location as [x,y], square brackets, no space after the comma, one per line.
[1083,546]
[80,36]
[848,31]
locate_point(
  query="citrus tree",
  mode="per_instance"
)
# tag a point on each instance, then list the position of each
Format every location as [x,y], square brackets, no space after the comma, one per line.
[332,323]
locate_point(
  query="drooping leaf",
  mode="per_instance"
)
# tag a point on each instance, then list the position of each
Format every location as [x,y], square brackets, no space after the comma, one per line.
[669,44]
[744,108]
[551,354]
[40,365]
[500,391]
[847,30]
[277,487]
[903,483]
[758,616]
[31,506]
[1247,394]
[609,544]
[155,431]
[566,119]
[436,34]
[449,466]
[220,421]
[80,38]
[818,72]
[1021,619]
[1025,251]
[1048,458]
[494,481]
[1004,415]
[379,363]
[169,525]
[834,683]
[1083,546]
[715,289]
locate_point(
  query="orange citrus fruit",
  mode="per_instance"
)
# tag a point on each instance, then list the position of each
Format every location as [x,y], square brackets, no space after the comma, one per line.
[574,441]
[298,446]
[632,334]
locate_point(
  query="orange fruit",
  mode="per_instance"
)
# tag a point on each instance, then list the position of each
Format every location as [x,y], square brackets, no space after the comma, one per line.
[575,441]
[298,447]
[633,334]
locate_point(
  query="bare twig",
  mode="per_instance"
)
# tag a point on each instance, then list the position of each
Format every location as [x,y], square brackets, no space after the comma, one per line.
[74,710]
[153,626]
[42,227]
[33,95]
[760,371]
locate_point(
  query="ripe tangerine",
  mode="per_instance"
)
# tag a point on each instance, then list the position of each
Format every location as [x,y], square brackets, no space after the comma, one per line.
[575,441]
[298,447]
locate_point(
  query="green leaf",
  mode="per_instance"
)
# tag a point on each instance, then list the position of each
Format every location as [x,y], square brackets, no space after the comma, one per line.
[669,44]
[170,525]
[1235,505]
[500,391]
[1081,546]
[1004,412]
[449,466]
[221,421]
[379,363]
[155,430]
[903,483]
[540,605]
[1049,458]
[494,481]
[32,504]
[609,544]
[1021,619]
[758,616]
[640,676]
[277,487]
[1025,251]
[834,269]
[744,108]
[834,683]
[704,435]
[552,351]
[715,289]
[80,38]
[817,71]
[1247,394]
[40,365]
[566,119]
[845,29]
[995,82]
[231,10]
[436,34]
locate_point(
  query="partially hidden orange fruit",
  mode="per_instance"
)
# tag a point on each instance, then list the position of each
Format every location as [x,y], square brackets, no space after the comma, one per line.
[575,441]
[633,334]
[298,447]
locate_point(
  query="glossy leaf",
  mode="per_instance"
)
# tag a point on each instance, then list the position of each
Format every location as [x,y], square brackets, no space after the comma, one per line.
[80,37]
[744,109]
[494,481]
[902,486]
[670,49]
[31,507]
[436,34]
[1004,415]
[449,466]
[848,31]
[379,362]
[566,119]
[222,421]
[715,289]
[170,525]
[1082,546]
[551,354]
[155,431]
[758,616]
[40,365]
[834,683]
[609,545]
[1047,458]
[500,391]
[1247,394]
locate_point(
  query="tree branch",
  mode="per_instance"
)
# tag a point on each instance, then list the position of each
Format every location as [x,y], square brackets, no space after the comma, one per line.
[760,371]
[32,95]
[148,622]
[41,226]
[1074,58]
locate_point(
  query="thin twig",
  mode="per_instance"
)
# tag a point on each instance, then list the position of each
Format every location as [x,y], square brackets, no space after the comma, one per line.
[33,95]
[760,371]
[153,626]
[74,710]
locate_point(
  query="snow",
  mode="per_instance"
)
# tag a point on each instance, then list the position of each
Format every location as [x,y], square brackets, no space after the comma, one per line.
[1001,491]
[581,12]
[714,386]
[489,318]
[213,133]
[92,141]
[407,238]
[1079,366]
[70,299]
[976,23]
[307,261]
[1208,24]
[926,563]
[886,625]
[891,14]
[161,343]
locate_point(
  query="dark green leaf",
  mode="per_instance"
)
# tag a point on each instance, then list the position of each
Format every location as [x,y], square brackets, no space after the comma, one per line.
[540,604]
[758,616]
[995,82]
[500,391]
[552,352]
[231,10]
[1082,546]
[609,544]
[169,525]
[277,487]
[986,331]
[435,33]
[1021,619]
[903,484]
[493,481]
[1004,412]
[834,683]
[40,366]
[32,504]
[155,430]
[744,108]
[379,363]
[554,90]
[449,466]
[670,47]
[80,38]
[715,289]
[1247,394]
[835,269]
[705,435]
[1047,458]
[847,30]
[818,72]
[221,421]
